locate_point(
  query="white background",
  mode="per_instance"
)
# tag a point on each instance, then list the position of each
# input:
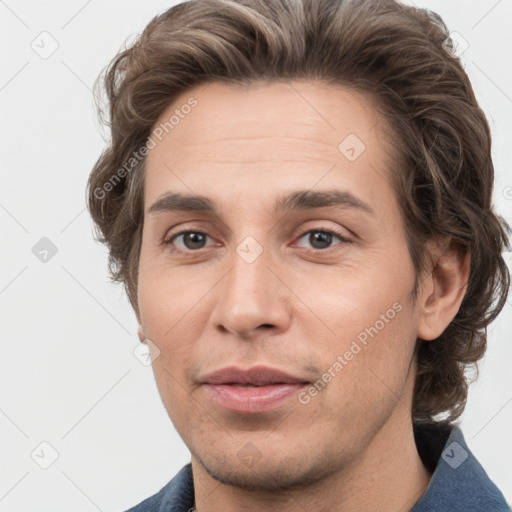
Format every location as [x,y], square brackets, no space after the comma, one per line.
[67,372]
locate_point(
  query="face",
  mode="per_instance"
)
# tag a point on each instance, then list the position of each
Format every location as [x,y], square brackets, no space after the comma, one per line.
[290,253]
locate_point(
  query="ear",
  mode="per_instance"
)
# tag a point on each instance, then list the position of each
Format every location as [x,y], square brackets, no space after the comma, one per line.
[441,293]
[141,334]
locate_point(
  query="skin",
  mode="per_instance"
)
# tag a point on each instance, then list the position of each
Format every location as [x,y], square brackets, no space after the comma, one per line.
[297,307]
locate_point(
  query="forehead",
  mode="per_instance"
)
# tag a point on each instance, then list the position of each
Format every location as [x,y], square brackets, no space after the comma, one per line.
[267,136]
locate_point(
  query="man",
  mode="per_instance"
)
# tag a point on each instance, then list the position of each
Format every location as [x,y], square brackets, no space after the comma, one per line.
[297,197]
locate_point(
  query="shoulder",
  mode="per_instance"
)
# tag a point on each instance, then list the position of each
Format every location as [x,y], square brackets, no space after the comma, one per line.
[177,495]
[459,483]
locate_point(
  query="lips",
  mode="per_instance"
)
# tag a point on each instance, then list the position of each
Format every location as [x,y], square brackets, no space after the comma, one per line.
[256,376]
[255,390]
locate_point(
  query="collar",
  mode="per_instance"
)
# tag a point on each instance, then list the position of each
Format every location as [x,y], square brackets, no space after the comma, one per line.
[459,483]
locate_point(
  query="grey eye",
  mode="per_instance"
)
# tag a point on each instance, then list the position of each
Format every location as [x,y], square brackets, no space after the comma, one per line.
[191,239]
[321,239]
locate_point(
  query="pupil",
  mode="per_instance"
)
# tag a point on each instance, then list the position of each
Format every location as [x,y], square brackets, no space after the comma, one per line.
[194,240]
[320,236]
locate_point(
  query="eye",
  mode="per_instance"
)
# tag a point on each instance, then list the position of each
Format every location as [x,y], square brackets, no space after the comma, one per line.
[190,240]
[321,239]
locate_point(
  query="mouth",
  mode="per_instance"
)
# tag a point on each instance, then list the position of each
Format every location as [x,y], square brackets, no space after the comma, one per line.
[254,376]
[255,390]
[239,385]
[249,399]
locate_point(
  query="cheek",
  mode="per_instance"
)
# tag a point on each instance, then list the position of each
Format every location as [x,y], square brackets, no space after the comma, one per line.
[351,299]
[168,298]
[170,321]
[368,321]
[365,369]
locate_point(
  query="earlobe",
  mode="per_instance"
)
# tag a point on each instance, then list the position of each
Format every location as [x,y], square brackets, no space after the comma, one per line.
[444,292]
[141,334]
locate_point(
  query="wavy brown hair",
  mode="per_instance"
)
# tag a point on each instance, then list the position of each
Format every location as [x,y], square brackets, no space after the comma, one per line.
[400,55]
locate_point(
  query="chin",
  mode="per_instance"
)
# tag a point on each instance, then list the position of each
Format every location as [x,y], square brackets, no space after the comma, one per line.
[260,476]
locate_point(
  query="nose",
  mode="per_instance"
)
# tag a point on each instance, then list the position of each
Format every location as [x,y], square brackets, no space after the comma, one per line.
[252,298]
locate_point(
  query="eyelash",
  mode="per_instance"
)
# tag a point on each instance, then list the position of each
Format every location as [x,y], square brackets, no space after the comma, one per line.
[168,241]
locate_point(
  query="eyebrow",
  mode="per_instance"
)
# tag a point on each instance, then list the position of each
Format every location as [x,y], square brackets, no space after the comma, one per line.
[179,202]
[309,199]
[298,200]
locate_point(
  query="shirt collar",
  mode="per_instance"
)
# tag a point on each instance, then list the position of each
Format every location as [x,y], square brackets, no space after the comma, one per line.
[459,483]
